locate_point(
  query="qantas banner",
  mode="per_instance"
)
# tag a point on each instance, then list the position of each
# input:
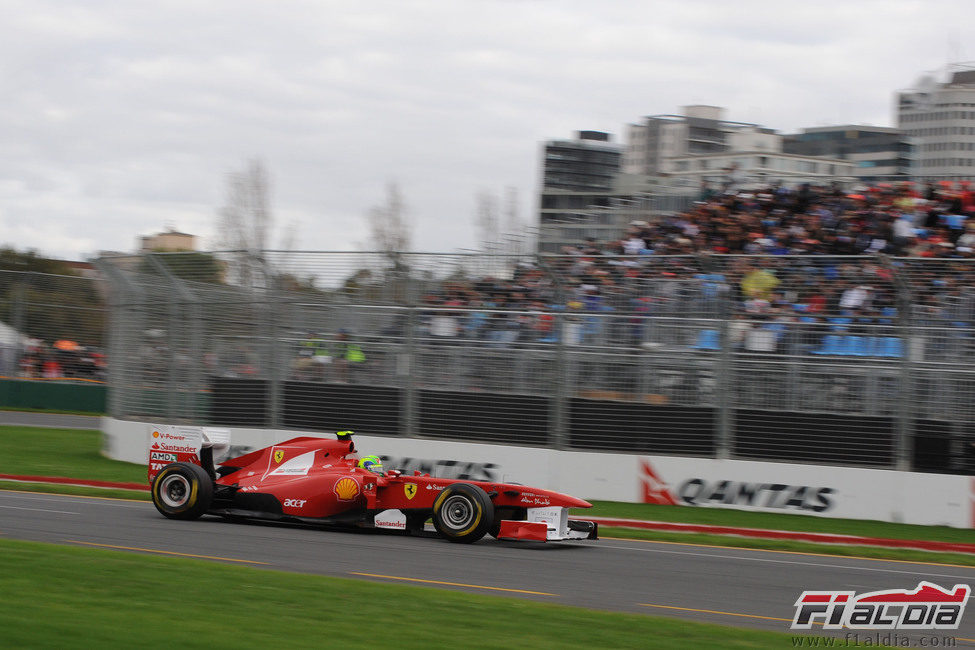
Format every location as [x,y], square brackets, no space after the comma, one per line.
[818,490]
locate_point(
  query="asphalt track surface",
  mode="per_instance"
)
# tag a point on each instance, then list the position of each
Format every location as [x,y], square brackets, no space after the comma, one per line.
[730,586]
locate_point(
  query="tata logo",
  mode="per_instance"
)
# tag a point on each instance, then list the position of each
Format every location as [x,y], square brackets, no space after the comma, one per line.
[295,503]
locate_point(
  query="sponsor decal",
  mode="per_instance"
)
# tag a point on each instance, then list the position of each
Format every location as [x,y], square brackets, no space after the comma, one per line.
[155,445]
[295,503]
[278,455]
[155,434]
[346,488]
[654,489]
[249,488]
[155,455]
[704,492]
[534,501]
[393,519]
[928,607]
[434,486]
[441,468]
[155,467]
[179,449]
[410,490]
[297,466]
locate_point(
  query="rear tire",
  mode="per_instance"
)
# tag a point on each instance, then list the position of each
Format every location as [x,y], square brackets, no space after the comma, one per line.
[463,513]
[182,491]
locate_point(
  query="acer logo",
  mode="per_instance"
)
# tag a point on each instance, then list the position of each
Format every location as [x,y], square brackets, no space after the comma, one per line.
[295,503]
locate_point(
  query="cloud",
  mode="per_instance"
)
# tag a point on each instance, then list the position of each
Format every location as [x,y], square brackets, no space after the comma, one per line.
[119,119]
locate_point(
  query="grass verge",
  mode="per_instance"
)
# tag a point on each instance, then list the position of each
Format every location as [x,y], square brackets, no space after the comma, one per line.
[775,521]
[877,553]
[124,600]
[62,452]
[26,409]
[75,490]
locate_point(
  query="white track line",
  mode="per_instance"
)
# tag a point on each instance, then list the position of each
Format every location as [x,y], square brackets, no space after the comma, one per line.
[774,561]
[60,512]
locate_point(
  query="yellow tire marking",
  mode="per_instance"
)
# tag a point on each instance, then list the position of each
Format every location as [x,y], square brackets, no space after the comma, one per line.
[451,584]
[772,550]
[712,611]
[153,550]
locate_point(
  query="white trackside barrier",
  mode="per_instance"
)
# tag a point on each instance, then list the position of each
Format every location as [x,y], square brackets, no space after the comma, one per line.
[845,492]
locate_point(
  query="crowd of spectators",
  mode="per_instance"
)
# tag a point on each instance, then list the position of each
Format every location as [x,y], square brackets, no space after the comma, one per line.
[806,255]
[62,359]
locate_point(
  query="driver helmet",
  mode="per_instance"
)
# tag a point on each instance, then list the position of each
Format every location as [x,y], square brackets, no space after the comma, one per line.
[371,463]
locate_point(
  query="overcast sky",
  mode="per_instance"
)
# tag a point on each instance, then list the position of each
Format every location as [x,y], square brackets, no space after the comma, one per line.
[118,119]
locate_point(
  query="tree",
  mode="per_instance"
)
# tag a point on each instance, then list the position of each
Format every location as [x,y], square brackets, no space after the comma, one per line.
[486,220]
[44,298]
[188,265]
[243,225]
[390,230]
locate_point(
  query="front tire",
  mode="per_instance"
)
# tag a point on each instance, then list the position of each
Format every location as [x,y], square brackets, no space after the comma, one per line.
[463,513]
[182,491]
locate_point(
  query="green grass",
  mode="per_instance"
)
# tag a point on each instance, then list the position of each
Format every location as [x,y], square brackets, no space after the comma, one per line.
[75,490]
[874,552]
[25,409]
[76,453]
[57,596]
[776,521]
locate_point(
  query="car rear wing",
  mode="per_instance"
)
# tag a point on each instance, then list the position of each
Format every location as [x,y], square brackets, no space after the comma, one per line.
[181,444]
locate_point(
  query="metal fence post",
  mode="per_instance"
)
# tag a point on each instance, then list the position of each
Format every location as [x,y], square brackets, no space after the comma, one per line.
[558,437]
[724,438]
[277,370]
[406,363]
[122,298]
[903,423]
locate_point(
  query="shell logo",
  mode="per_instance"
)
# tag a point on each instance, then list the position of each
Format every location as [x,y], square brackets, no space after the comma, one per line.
[346,488]
[155,434]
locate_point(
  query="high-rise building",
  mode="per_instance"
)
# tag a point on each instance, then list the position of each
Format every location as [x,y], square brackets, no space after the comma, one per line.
[579,180]
[940,119]
[652,145]
[878,154]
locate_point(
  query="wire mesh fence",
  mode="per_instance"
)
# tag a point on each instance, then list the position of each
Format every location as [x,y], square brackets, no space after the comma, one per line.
[841,360]
[52,326]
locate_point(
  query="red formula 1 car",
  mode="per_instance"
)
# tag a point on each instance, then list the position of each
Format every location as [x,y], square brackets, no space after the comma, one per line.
[316,480]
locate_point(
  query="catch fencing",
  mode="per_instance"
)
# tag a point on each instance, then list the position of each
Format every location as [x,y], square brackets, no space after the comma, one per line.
[52,327]
[862,361]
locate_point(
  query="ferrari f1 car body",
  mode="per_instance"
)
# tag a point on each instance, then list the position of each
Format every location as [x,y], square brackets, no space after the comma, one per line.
[316,480]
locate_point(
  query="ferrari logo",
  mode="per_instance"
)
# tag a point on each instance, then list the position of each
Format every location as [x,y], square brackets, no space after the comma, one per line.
[278,455]
[410,489]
